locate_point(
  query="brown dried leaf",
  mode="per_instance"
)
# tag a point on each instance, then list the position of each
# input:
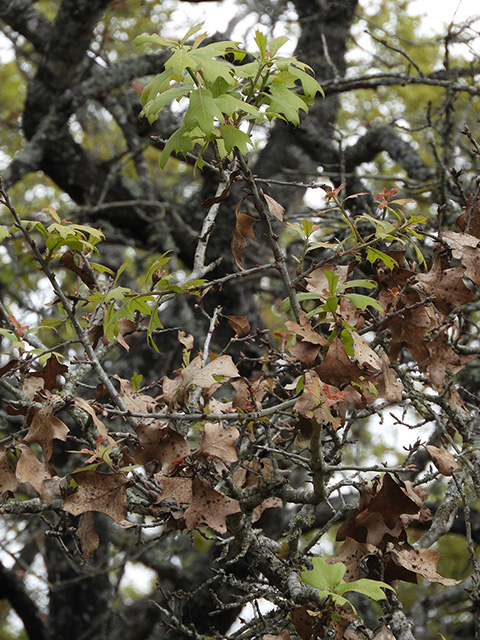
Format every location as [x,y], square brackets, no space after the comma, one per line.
[268,503]
[365,355]
[218,441]
[465,248]
[446,285]
[274,207]
[305,331]
[443,359]
[383,633]
[88,536]
[127,327]
[8,479]
[243,230]
[388,384]
[381,513]
[209,507]
[337,368]
[317,280]
[421,561]
[317,398]
[68,261]
[195,374]
[443,460]
[159,442]
[7,367]
[302,622]
[45,427]
[30,469]
[134,400]
[186,339]
[176,488]
[31,386]
[240,325]
[49,373]
[281,636]
[304,351]
[96,491]
[101,428]
[352,555]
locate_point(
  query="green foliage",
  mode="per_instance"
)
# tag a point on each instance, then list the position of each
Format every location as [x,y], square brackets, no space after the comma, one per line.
[223,94]
[328,579]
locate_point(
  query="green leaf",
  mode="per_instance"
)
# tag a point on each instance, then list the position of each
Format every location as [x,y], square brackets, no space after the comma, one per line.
[153,107]
[136,381]
[366,284]
[201,111]
[309,85]
[374,254]
[362,302]
[331,304]
[180,141]
[155,39]
[347,341]
[261,43]
[276,44]
[324,576]
[159,84]
[370,588]
[212,69]
[192,31]
[286,102]
[118,293]
[230,104]
[179,61]
[159,263]
[233,137]
[4,233]
[332,280]
[153,324]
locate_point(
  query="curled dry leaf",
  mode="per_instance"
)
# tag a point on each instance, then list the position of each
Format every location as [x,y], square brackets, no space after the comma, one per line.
[274,207]
[443,460]
[186,339]
[68,261]
[127,327]
[8,479]
[88,536]
[240,325]
[421,561]
[243,230]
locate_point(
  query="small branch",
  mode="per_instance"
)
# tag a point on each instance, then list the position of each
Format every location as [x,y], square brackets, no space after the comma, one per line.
[210,417]
[280,261]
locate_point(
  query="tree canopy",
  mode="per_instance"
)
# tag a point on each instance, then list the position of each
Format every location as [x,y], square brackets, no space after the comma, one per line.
[238,321]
